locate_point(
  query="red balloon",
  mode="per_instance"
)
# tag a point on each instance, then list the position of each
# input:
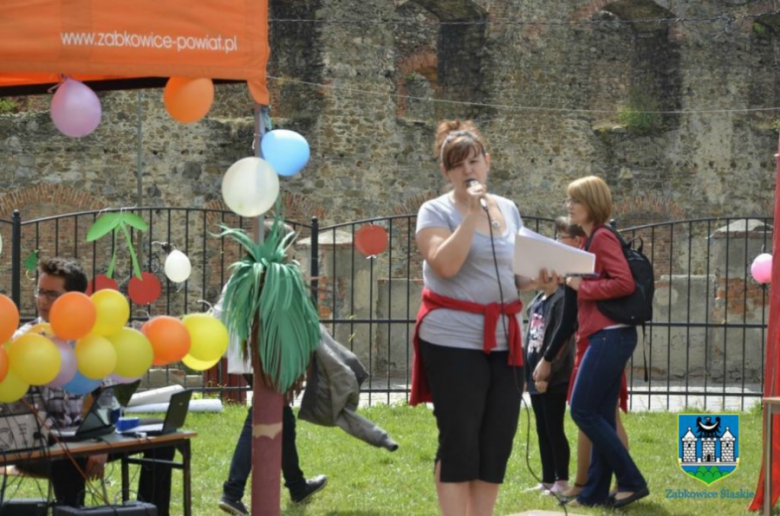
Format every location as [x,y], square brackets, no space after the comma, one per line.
[371,240]
[144,291]
[101,282]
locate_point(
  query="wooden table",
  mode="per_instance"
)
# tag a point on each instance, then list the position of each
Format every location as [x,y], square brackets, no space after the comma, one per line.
[771,409]
[122,447]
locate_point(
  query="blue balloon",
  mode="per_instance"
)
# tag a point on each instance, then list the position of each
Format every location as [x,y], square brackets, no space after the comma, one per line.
[80,385]
[286,151]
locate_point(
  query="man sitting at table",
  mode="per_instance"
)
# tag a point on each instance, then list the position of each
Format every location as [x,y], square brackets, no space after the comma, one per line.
[56,276]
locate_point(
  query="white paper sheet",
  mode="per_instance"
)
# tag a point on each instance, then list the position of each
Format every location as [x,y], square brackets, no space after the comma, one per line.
[534,252]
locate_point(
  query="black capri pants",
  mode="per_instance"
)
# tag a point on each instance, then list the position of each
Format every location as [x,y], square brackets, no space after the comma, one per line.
[476,402]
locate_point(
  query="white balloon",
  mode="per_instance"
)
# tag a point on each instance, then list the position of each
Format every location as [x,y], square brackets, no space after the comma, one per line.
[250,187]
[177,266]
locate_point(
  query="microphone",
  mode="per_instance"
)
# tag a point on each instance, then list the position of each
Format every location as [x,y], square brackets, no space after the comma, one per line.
[482,202]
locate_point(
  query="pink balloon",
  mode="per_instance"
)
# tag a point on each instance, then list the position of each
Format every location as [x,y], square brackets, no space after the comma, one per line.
[75,109]
[761,270]
[68,365]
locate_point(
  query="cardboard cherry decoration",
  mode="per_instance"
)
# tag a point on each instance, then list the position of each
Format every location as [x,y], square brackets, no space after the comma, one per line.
[101,282]
[144,291]
[371,240]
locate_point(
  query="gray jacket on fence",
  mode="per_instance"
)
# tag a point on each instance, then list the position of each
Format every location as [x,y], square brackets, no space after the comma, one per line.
[332,393]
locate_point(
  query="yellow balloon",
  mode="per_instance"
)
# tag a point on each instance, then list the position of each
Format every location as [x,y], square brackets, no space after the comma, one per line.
[12,388]
[198,365]
[95,356]
[35,360]
[208,337]
[134,353]
[113,311]
[43,328]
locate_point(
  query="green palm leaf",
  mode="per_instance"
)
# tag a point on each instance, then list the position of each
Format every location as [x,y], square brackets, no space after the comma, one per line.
[267,289]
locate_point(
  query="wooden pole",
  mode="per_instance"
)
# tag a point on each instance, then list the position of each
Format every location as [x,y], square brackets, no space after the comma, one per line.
[267,403]
[266,445]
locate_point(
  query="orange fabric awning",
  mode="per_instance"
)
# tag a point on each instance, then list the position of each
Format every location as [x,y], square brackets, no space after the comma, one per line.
[121,41]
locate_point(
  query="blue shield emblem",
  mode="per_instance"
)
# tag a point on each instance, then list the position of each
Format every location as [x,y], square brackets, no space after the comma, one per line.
[708,445]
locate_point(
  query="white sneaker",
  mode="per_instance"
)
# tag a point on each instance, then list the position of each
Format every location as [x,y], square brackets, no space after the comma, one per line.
[559,487]
[538,487]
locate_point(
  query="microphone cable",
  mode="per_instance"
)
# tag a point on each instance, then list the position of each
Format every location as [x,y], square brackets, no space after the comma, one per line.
[560,499]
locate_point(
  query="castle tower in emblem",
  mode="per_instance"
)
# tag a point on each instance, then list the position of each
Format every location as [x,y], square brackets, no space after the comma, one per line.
[689,446]
[708,450]
[727,446]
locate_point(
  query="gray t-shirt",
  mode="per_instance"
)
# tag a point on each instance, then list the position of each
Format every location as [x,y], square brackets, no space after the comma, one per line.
[476,280]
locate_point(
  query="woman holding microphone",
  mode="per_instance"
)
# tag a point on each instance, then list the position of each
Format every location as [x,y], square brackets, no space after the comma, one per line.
[468,345]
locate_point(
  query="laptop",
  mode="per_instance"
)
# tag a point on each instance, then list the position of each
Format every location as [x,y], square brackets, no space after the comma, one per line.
[96,422]
[174,417]
[124,392]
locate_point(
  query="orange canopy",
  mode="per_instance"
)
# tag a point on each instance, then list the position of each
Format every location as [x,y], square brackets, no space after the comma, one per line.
[130,43]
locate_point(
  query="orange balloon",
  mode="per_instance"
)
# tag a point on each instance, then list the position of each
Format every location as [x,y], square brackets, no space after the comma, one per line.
[3,363]
[188,100]
[9,318]
[169,337]
[72,316]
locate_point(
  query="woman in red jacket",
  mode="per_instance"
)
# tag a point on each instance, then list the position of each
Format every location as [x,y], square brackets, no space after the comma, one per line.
[609,347]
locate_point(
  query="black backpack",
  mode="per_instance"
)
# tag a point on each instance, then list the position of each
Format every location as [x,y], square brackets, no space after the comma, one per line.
[636,308]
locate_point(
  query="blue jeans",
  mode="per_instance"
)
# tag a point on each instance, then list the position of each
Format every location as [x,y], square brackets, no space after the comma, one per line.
[593,403]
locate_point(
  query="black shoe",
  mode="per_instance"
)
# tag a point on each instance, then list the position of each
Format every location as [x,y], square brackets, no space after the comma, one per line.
[233,506]
[636,495]
[312,486]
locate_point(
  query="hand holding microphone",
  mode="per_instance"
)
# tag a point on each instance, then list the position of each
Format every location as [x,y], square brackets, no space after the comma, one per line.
[475,188]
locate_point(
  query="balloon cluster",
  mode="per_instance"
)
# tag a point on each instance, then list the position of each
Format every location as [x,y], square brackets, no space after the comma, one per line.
[76,110]
[761,268]
[251,185]
[87,340]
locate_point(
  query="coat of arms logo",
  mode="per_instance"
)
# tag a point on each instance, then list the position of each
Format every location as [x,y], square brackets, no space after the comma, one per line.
[708,445]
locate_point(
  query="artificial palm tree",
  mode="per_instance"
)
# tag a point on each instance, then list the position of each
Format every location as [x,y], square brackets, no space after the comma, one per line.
[268,307]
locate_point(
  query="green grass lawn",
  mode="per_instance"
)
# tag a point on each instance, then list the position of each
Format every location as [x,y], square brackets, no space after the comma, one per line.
[363,480]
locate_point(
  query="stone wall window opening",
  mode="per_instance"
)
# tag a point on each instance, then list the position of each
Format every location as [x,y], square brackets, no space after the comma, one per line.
[635,71]
[440,60]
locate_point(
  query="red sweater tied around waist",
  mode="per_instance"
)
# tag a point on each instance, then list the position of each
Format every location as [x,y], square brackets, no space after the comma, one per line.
[421,393]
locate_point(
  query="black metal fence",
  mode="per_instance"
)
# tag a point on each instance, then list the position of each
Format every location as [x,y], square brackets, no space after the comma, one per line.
[704,347]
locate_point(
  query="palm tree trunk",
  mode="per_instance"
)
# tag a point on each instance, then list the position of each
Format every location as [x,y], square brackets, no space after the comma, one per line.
[266,444]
